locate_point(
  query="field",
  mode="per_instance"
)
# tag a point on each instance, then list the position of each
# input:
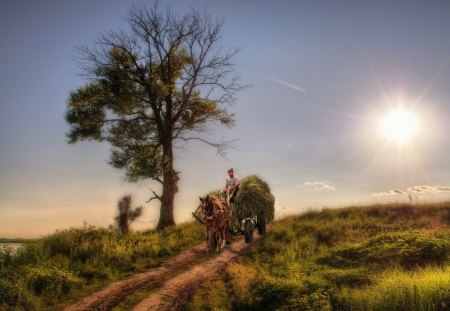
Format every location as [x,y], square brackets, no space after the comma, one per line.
[387,257]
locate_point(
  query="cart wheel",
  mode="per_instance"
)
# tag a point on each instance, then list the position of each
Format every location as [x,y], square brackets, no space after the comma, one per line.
[212,240]
[261,225]
[248,231]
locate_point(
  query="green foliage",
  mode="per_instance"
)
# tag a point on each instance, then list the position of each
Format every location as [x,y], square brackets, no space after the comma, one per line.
[127,215]
[254,198]
[6,255]
[51,281]
[13,295]
[408,249]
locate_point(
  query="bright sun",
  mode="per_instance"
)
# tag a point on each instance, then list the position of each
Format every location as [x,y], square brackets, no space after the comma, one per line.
[399,126]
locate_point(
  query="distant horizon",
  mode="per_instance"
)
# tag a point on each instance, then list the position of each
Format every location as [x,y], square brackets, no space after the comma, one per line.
[405,201]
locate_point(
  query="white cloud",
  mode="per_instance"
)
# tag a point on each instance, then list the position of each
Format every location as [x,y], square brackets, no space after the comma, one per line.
[289,85]
[415,190]
[318,185]
[428,189]
[390,192]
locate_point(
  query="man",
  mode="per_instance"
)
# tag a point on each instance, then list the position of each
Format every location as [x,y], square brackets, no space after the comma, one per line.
[231,186]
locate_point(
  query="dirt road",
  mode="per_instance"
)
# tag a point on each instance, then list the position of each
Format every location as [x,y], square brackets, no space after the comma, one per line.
[188,269]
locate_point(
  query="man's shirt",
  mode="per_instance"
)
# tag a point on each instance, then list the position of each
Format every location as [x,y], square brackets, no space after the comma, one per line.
[231,183]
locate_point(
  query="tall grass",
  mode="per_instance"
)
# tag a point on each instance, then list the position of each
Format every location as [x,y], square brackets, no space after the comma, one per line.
[69,263]
[396,289]
[381,257]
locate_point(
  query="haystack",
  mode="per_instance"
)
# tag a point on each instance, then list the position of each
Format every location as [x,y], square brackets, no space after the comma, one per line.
[254,198]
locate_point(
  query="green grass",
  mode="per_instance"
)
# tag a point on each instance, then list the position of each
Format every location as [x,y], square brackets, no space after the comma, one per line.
[51,272]
[381,257]
[396,289]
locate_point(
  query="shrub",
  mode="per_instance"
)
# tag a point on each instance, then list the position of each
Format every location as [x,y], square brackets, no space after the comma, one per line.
[408,249]
[51,280]
[9,293]
[6,256]
[14,297]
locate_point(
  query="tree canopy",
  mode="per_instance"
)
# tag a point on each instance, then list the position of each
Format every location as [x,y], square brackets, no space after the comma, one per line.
[163,82]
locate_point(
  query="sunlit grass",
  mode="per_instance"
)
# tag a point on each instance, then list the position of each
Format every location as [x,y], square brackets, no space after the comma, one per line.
[336,259]
[396,289]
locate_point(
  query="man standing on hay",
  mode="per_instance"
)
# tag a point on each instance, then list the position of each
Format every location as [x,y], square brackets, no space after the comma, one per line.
[231,187]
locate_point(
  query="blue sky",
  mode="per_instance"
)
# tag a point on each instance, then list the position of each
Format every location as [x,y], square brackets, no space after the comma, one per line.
[323,74]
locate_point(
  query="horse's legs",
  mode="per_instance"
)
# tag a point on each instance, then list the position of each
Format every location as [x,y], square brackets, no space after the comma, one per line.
[218,236]
[227,231]
[222,235]
[224,240]
[207,236]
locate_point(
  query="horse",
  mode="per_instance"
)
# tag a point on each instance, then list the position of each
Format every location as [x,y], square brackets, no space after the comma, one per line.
[216,218]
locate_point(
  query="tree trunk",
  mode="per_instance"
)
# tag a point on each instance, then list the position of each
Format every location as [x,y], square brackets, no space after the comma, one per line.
[123,217]
[170,180]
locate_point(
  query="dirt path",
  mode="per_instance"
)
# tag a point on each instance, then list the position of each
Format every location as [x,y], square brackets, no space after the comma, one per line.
[172,294]
[113,293]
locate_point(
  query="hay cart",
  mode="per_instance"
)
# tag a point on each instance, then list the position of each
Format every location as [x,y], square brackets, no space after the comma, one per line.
[253,207]
[240,223]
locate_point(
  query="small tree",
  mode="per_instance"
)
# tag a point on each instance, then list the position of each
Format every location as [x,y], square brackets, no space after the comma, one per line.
[127,215]
[165,81]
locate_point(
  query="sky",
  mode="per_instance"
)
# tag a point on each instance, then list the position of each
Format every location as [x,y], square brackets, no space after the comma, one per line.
[323,75]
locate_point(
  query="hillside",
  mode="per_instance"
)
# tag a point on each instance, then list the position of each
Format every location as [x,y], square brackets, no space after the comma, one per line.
[63,267]
[383,257]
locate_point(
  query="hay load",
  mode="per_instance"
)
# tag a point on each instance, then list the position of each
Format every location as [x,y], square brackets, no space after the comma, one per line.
[254,198]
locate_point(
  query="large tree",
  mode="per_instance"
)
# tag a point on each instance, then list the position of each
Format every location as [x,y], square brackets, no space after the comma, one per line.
[164,80]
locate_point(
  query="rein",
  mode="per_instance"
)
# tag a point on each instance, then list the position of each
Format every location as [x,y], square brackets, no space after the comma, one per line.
[219,204]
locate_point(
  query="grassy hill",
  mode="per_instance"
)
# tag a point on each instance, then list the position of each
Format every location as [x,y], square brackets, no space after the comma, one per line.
[51,272]
[383,257]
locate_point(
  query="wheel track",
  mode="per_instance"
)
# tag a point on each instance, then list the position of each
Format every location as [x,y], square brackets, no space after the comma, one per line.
[173,293]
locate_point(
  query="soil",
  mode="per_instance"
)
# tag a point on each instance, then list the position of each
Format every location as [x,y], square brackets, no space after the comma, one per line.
[188,270]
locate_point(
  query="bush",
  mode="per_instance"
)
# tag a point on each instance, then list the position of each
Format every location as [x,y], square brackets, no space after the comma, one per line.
[9,293]
[408,249]
[289,294]
[51,281]
[13,296]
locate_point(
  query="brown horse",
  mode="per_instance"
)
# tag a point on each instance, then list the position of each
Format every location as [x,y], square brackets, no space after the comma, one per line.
[216,219]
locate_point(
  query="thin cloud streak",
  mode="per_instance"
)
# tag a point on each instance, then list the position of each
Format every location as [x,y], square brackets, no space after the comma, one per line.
[287,84]
[414,190]
[388,193]
[318,186]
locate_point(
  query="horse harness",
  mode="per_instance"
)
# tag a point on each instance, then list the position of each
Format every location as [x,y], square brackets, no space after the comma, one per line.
[210,205]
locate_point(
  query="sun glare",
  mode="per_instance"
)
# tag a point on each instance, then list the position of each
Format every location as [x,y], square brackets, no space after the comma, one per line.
[399,126]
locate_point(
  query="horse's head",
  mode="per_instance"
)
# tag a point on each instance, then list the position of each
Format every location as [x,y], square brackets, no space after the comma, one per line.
[206,205]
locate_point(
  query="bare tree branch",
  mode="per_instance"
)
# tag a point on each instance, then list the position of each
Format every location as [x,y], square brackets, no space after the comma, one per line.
[155,197]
